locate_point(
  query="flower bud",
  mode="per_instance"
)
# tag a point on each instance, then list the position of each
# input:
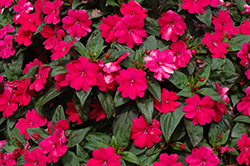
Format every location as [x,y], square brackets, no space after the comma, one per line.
[227,4]
[107,55]
[199,61]
[182,146]
[220,136]
[185,38]
[194,51]
[201,79]
[36,136]
[122,149]
[162,146]
[147,51]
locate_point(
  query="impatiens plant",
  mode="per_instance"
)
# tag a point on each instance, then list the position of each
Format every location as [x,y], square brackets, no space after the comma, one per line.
[124,82]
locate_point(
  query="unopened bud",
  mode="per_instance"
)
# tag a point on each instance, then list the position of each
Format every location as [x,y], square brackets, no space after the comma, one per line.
[242,83]
[172,145]
[194,51]
[220,136]
[162,146]
[36,136]
[198,45]
[185,38]
[147,51]
[199,61]
[202,79]
[122,149]
[182,146]
[227,4]
[107,55]
[136,63]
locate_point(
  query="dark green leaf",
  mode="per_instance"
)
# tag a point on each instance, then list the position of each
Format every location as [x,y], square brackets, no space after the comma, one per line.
[77,136]
[203,73]
[218,62]
[114,143]
[82,155]
[206,17]
[237,42]
[186,92]
[242,118]
[179,79]
[76,3]
[96,46]
[39,28]
[119,100]
[130,157]
[31,72]
[95,145]
[210,92]
[58,70]
[195,132]
[224,78]
[58,115]
[39,131]
[240,4]
[70,159]
[228,66]
[154,87]
[149,43]
[98,137]
[111,3]
[123,136]
[82,96]
[152,26]
[107,102]
[239,129]
[147,160]
[78,46]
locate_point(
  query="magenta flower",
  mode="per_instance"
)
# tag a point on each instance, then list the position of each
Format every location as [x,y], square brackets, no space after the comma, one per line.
[8,103]
[144,134]
[161,63]
[215,44]
[52,11]
[7,159]
[104,157]
[53,36]
[129,30]
[61,49]
[23,92]
[244,54]
[244,104]
[97,111]
[247,9]
[37,16]
[172,25]
[181,54]
[72,112]
[62,125]
[244,28]
[133,83]
[202,156]
[223,92]
[4,4]
[226,149]
[11,86]
[31,64]
[199,110]
[244,145]
[247,73]
[82,74]
[166,160]
[41,78]
[60,81]
[223,24]
[133,9]
[23,6]
[215,3]
[2,143]
[108,27]
[167,103]
[24,37]
[35,157]
[6,47]
[54,145]
[33,120]
[77,23]
[5,30]
[195,6]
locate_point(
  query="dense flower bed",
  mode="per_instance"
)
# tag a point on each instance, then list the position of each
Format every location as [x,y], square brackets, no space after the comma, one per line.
[118,82]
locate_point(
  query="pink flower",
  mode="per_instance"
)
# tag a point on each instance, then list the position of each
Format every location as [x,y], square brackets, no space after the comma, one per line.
[11,85]
[41,78]
[5,30]
[247,73]
[8,159]
[244,104]
[167,103]
[31,64]
[6,3]
[202,156]
[133,83]
[54,145]
[166,160]
[1,78]
[37,16]
[23,92]
[215,3]
[53,36]
[27,22]
[33,120]
[195,6]
[215,44]
[35,157]
[8,103]
[244,145]
[108,27]
[98,111]
[200,110]
[247,9]
[22,7]
[52,11]
[104,157]
[60,81]
[161,63]
[224,24]
[129,30]
[61,49]
[244,54]
[244,28]
[61,124]
[24,37]
[133,9]
[72,112]
[181,54]
[223,92]
[226,149]
[144,134]
[6,47]
[82,74]
[2,143]
[77,23]
[172,25]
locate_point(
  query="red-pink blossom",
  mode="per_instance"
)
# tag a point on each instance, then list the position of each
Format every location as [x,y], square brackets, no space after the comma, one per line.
[5,30]
[61,49]
[1,78]
[62,124]
[52,11]
[226,149]
[223,92]
[97,111]
[244,54]
[129,30]
[145,134]
[133,83]
[195,6]
[60,81]
[223,24]
[31,64]
[77,23]
[8,159]
[5,3]
[33,120]
[104,157]
[215,44]
[82,74]
[244,104]
[108,27]
[37,16]
[215,3]
[168,103]
[168,160]
[72,112]
[181,54]
[199,110]
[53,37]
[244,145]
[11,85]
[23,92]
[2,143]
[133,9]
[27,22]
[41,78]
[202,156]
[6,47]
[23,6]
[245,27]
[161,63]
[8,103]
[35,157]
[247,9]
[24,37]
[247,73]
[172,26]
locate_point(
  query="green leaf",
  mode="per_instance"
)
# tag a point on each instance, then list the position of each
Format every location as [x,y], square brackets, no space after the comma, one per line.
[107,102]
[210,92]
[98,137]
[147,160]
[58,70]
[218,62]
[239,129]
[114,143]
[77,136]
[82,96]
[205,73]
[123,136]
[224,78]
[240,4]
[195,132]
[130,157]
[70,159]
[186,92]
[82,155]
[95,145]
[228,66]
[146,106]
[119,100]
[78,46]
[96,46]
[148,43]
[235,43]
[58,115]
[39,28]
[39,131]
[154,87]
[152,26]
[9,148]
[170,121]
[76,3]
[242,118]
[31,72]
[111,3]
[206,17]
[179,79]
